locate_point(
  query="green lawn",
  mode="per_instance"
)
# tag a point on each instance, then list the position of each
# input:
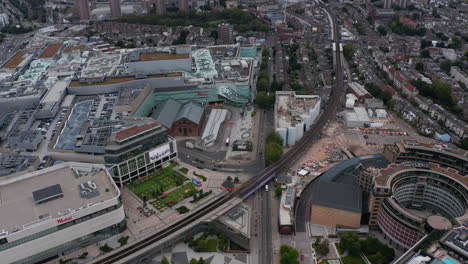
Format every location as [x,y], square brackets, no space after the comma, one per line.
[340,251]
[211,246]
[175,196]
[352,260]
[162,180]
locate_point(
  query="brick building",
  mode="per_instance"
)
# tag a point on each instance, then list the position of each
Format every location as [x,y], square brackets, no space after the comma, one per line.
[180,119]
[336,205]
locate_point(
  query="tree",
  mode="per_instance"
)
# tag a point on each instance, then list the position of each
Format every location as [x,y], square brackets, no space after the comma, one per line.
[278,190]
[348,51]
[263,100]
[464,143]
[445,66]
[442,91]
[199,261]
[378,258]
[419,67]
[274,137]
[202,243]
[322,248]
[275,86]
[289,255]
[273,153]
[349,241]
[214,34]
[457,43]
[236,179]
[382,30]
[425,54]
[165,260]
[263,84]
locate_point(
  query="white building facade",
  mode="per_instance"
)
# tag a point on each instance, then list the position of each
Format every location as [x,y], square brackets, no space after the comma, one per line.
[295,115]
[66,220]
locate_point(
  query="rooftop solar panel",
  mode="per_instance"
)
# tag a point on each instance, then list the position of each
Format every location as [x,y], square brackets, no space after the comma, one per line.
[47,193]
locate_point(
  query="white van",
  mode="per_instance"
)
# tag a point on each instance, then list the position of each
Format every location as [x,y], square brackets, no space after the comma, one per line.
[266,188]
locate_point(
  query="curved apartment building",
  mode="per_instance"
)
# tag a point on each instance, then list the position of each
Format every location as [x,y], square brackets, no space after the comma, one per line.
[404,195]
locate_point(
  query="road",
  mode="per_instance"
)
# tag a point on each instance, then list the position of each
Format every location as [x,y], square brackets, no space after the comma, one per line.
[265,229]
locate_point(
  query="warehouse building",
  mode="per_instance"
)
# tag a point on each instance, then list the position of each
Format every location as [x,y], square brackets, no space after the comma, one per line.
[294,115]
[359,117]
[58,209]
[359,91]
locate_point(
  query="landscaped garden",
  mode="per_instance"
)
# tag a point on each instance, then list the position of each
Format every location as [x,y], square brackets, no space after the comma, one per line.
[209,242]
[353,246]
[157,183]
[154,188]
[175,196]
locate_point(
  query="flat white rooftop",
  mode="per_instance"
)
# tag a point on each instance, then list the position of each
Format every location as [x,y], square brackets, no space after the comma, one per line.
[56,92]
[291,108]
[101,66]
[18,207]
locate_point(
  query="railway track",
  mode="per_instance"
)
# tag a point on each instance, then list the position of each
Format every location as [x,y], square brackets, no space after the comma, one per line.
[252,184]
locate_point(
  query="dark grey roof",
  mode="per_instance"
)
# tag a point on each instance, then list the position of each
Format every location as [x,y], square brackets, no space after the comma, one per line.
[283,179]
[169,111]
[332,174]
[179,258]
[337,195]
[192,111]
[47,193]
[166,112]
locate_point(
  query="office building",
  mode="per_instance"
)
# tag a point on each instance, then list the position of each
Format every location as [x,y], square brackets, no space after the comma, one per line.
[83,8]
[115,8]
[183,5]
[4,20]
[58,209]
[226,33]
[138,150]
[387,4]
[160,7]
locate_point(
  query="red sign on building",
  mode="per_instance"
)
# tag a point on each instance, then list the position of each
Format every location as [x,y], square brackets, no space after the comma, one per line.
[65,219]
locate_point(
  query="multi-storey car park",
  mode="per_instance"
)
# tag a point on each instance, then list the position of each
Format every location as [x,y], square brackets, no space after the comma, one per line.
[57,209]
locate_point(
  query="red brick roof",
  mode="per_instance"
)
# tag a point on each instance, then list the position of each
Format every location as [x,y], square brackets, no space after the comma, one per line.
[399,78]
[51,50]
[389,89]
[134,130]
[407,21]
[410,87]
